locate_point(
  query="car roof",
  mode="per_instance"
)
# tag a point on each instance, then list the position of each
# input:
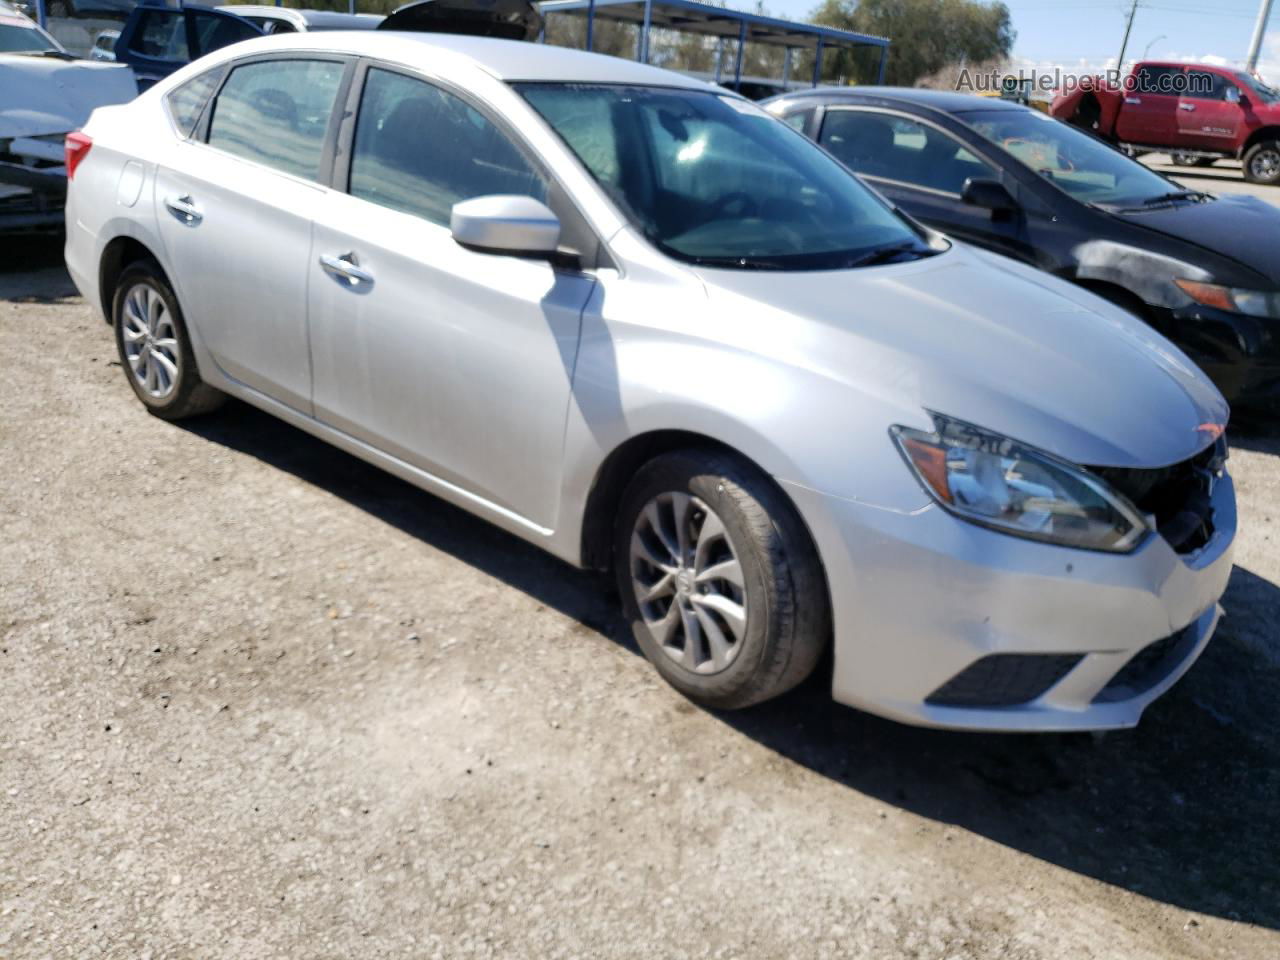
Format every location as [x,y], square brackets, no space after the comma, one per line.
[503,59]
[947,101]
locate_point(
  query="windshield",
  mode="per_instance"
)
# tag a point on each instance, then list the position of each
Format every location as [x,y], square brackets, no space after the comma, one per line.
[1086,169]
[714,180]
[18,36]
[1259,89]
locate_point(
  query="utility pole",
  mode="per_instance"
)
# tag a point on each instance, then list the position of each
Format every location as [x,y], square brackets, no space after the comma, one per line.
[1124,45]
[1259,31]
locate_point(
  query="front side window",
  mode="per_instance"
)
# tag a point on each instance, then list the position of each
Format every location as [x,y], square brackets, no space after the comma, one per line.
[276,113]
[186,102]
[1204,85]
[160,35]
[1072,161]
[895,148]
[715,180]
[215,31]
[420,150]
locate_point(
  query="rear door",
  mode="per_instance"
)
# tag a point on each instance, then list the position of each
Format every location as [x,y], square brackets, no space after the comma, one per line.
[1149,113]
[922,169]
[235,203]
[458,363]
[1207,120]
[156,41]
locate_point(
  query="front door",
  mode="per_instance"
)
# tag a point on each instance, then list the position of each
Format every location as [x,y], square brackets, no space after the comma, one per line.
[457,362]
[235,218]
[1207,120]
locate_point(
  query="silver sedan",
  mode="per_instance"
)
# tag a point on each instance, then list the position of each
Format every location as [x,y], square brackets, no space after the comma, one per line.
[635,320]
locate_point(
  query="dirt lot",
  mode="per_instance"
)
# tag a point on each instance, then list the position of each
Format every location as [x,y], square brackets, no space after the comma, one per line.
[258,699]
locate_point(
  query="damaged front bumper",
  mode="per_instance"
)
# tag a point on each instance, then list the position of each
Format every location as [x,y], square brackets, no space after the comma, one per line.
[33,184]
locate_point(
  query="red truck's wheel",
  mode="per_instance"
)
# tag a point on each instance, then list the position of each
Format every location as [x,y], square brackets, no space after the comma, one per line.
[1262,162]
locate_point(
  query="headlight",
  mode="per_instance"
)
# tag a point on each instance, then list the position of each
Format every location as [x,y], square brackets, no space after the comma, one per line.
[999,483]
[1255,303]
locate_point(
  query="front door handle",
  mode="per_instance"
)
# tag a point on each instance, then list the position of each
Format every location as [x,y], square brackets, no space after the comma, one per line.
[1134,101]
[346,269]
[1189,107]
[184,209]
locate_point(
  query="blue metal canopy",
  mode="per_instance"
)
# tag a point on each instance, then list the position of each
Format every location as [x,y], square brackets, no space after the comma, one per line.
[690,16]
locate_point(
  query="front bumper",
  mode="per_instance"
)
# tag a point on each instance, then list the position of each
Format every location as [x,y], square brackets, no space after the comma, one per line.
[920,598]
[1240,354]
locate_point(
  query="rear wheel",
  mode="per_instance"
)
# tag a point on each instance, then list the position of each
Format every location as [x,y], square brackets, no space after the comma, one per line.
[719,579]
[1262,162]
[155,351]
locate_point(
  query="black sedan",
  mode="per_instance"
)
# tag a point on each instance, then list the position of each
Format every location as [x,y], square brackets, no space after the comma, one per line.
[1202,269]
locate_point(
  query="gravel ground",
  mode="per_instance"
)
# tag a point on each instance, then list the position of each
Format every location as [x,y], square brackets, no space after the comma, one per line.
[258,699]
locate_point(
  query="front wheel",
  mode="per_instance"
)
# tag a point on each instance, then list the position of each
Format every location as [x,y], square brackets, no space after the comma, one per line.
[719,579]
[1262,163]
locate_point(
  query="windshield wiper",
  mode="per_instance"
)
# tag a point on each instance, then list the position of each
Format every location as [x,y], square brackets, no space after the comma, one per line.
[1196,196]
[889,254]
[56,54]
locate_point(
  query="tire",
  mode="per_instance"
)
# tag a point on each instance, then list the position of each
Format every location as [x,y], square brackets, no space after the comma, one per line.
[787,622]
[145,311]
[1262,163]
[1182,160]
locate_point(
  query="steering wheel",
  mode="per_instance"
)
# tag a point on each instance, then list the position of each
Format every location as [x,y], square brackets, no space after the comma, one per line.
[749,206]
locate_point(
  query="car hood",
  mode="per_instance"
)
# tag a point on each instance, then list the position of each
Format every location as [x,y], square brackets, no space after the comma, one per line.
[44,95]
[989,341]
[1240,227]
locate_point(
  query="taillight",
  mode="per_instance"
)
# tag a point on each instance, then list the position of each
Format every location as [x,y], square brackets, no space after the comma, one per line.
[77,146]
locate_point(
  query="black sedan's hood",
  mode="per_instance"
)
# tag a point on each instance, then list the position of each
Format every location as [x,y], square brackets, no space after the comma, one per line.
[1245,229]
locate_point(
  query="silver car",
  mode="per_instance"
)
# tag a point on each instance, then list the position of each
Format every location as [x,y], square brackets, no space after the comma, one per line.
[635,320]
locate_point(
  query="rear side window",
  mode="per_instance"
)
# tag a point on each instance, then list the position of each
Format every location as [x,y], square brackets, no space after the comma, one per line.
[160,35]
[421,150]
[277,113]
[895,148]
[186,102]
[1160,81]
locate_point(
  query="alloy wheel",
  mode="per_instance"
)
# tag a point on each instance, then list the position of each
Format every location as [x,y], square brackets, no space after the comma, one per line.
[1266,164]
[150,341]
[688,582]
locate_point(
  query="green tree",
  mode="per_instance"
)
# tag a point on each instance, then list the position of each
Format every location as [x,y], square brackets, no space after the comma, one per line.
[927,35]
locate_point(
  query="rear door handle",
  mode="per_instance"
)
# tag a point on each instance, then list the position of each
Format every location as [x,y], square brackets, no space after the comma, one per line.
[184,209]
[346,269]
[1189,107]
[1135,101]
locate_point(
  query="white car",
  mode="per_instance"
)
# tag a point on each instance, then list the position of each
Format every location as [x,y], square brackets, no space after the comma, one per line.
[44,94]
[637,321]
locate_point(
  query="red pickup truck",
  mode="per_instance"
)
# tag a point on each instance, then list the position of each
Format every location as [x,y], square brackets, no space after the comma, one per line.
[1197,113]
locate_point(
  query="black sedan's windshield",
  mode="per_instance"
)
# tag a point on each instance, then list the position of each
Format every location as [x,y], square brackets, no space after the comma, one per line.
[714,180]
[1088,170]
[19,37]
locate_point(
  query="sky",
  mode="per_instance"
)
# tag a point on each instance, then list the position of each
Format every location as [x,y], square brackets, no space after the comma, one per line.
[1067,32]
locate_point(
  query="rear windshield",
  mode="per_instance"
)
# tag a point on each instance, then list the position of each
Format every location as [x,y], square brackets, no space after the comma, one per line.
[714,180]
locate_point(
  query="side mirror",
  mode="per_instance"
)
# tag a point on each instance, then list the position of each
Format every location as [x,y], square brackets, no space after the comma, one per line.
[1233,95]
[504,223]
[989,194]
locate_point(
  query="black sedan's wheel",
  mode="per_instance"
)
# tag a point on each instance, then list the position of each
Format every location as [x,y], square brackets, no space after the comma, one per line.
[719,579]
[1262,163]
[155,351]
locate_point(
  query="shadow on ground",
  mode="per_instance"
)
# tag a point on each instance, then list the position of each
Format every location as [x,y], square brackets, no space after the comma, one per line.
[1182,810]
